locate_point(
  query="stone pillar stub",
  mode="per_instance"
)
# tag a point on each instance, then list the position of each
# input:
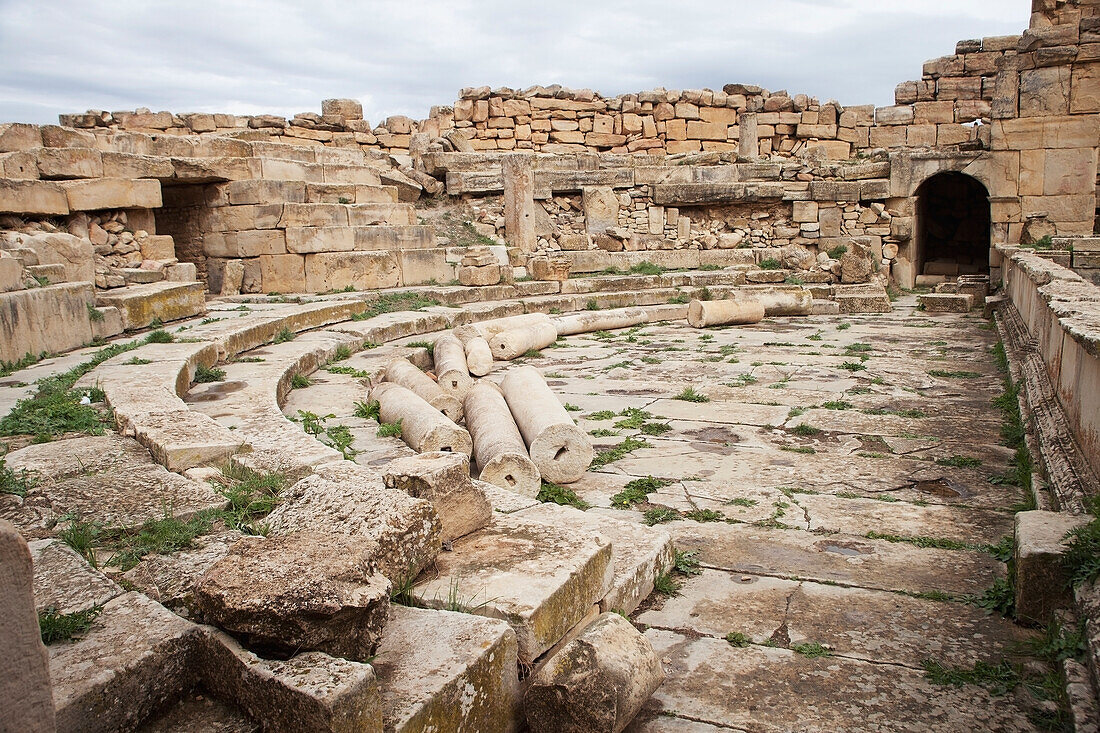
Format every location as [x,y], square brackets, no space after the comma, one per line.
[1006,88]
[25,667]
[748,145]
[519,201]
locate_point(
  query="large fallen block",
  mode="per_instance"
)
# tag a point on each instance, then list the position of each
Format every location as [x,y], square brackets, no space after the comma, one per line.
[499,450]
[345,499]
[423,427]
[141,305]
[136,658]
[776,302]
[541,579]
[444,480]
[1042,581]
[444,671]
[514,342]
[556,445]
[597,683]
[450,365]
[309,692]
[402,372]
[724,312]
[54,318]
[25,684]
[299,592]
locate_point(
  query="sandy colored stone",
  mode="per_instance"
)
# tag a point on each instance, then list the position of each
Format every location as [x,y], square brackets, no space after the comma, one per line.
[597,682]
[439,670]
[170,579]
[560,450]
[479,357]
[1041,582]
[298,592]
[402,372]
[53,318]
[423,427]
[515,342]
[64,581]
[444,480]
[451,369]
[142,304]
[499,450]
[724,312]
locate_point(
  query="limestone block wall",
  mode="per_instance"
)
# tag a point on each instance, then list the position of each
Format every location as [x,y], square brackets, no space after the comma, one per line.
[1062,313]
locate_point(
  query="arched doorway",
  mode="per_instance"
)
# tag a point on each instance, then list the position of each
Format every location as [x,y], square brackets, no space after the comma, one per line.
[953,226]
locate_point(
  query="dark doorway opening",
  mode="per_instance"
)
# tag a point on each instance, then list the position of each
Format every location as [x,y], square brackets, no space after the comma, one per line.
[953,225]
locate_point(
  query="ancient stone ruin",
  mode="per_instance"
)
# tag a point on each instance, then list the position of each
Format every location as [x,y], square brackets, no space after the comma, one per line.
[683,410]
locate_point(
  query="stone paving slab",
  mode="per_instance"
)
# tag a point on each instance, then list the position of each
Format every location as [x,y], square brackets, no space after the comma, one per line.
[762,689]
[64,581]
[842,559]
[873,625]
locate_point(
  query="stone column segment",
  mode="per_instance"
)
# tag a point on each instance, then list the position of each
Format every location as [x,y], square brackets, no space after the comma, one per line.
[488,329]
[479,357]
[401,371]
[557,446]
[748,145]
[588,321]
[507,345]
[423,427]
[702,313]
[498,446]
[450,366]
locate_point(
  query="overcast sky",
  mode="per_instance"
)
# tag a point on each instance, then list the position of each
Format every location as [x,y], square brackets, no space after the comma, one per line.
[403,56]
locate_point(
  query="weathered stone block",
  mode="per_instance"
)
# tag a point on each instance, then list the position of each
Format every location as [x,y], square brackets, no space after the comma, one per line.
[444,480]
[112,193]
[32,197]
[1041,580]
[142,304]
[325,271]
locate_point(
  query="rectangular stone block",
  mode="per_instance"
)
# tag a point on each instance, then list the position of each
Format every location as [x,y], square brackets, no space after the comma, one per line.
[1041,580]
[326,271]
[264,192]
[112,193]
[142,304]
[69,163]
[52,318]
[244,244]
[33,197]
[313,215]
[240,218]
[284,273]
[306,240]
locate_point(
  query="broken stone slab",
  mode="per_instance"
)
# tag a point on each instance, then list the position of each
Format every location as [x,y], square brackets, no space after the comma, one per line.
[444,480]
[556,445]
[639,553]
[342,498]
[1042,582]
[135,659]
[309,692]
[170,579]
[515,342]
[499,450]
[52,318]
[141,305]
[504,501]
[541,579]
[25,684]
[479,357]
[65,582]
[439,670]
[402,372]
[423,427]
[947,302]
[597,683]
[109,479]
[451,369]
[182,439]
[298,592]
[724,312]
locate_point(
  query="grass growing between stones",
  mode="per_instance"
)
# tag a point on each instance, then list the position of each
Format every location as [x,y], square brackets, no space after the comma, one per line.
[636,491]
[960,462]
[393,302]
[666,585]
[14,483]
[1082,556]
[811,649]
[615,453]
[999,678]
[552,493]
[389,429]
[738,639]
[299,381]
[943,374]
[55,627]
[7,368]
[690,395]
[205,374]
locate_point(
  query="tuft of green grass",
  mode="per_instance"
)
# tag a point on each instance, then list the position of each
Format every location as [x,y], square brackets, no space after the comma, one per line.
[284,335]
[742,501]
[299,381]
[999,598]
[159,336]
[690,395]
[656,428]
[736,638]
[55,627]
[838,251]
[205,374]
[618,452]
[999,679]
[953,374]
[82,537]
[853,366]
[660,515]
[600,415]
[342,352]
[393,302]
[634,418]
[770,264]
[636,491]
[156,536]
[960,461]
[1082,556]
[686,562]
[837,405]
[646,268]
[798,449]
[603,433]
[252,495]
[552,493]
[811,649]
[806,431]
[389,429]
[14,483]
[591,305]
[367,409]
[666,585]
[705,515]
[7,368]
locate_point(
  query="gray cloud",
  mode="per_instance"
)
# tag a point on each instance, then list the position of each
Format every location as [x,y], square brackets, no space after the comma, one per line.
[284,56]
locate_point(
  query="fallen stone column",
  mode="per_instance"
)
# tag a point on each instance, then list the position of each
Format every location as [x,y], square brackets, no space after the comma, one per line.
[498,446]
[25,686]
[488,329]
[588,321]
[450,365]
[423,427]
[783,302]
[479,357]
[401,371]
[444,480]
[558,447]
[597,682]
[507,345]
[702,313]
